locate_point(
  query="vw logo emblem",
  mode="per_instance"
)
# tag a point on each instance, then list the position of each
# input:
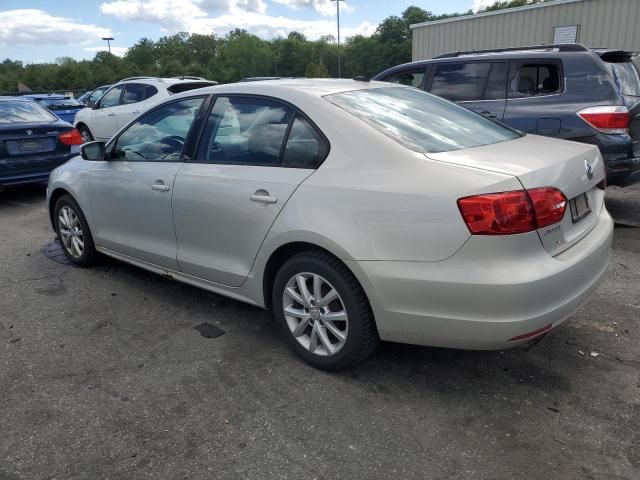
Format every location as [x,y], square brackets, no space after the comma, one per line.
[588,166]
[29,132]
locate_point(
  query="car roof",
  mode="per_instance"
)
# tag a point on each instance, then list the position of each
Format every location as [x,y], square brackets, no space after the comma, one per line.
[309,86]
[162,81]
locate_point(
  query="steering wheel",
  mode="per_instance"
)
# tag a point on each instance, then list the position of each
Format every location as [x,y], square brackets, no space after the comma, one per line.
[174,141]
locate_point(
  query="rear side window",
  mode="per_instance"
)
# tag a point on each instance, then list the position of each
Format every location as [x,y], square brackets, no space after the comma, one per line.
[461,82]
[137,92]
[24,112]
[411,78]
[532,79]
[626,77]
[420,121]
[305,147]
[243,130]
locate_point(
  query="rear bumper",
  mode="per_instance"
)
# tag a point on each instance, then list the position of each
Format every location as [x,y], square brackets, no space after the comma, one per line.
[36,170]
[622,171]
[487,293]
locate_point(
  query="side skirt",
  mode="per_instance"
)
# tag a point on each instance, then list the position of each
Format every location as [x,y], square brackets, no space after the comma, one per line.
[231,292]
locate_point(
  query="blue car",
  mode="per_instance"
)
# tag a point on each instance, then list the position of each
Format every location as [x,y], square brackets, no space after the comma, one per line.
[33,142]
[63,106]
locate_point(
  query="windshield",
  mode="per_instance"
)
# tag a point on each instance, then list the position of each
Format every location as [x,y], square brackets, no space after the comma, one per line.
[18,111]
[420,121]
[626,78]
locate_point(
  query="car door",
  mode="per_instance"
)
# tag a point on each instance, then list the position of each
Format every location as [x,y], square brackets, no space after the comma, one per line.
[134,102]
[478,86]
[131,191]
[103,117]
[253,154]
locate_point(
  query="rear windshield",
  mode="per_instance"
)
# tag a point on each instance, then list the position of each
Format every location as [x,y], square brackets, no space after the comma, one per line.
[24,112]
[626,77]
[185,86]
[420,121]
[60,103]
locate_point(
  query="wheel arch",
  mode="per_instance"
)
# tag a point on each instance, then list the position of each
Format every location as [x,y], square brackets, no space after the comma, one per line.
[53,199]
[287,250]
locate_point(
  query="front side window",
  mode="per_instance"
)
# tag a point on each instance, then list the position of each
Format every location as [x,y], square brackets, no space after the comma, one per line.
[420,121]
[95,96]
[16,111]
[244,130]
[535,79]
[111,98]
[411,78]
[159,135]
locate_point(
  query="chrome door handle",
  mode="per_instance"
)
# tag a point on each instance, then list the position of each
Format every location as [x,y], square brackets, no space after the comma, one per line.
[111,114]
[161,187]
[136,112]
[263,196]
[488,114]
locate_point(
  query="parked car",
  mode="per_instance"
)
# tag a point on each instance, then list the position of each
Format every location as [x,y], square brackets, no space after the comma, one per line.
[33,141]
[92,96]
[563,91]
[356,211]
[127,99]
[62,106]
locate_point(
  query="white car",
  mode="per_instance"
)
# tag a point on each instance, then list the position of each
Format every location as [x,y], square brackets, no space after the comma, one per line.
[126,100]
[356,211]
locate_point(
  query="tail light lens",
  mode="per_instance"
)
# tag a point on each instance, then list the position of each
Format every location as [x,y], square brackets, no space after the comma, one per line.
[72,137]
[612,120]
[508,213]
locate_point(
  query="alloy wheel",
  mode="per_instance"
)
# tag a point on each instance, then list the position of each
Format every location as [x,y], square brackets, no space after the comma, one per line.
[71,232]
[315,314]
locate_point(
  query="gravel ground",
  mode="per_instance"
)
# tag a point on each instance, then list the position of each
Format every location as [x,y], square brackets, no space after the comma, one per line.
[103,376]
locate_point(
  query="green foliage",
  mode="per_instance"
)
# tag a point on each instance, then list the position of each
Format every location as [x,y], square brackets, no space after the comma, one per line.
[501,5]
[239,54]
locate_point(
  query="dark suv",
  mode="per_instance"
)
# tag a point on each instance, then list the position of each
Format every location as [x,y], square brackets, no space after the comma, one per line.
[564,91]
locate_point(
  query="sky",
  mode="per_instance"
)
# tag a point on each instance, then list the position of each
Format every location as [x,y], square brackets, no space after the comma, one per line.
[36,31]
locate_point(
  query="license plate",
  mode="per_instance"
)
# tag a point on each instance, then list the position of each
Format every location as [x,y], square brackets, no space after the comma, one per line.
[29,145]
[579,207]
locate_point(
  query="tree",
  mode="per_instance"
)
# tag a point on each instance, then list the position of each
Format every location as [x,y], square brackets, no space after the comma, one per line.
[316,70]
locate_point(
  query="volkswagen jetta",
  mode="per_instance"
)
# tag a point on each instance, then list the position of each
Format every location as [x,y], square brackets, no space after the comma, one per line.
[356,211]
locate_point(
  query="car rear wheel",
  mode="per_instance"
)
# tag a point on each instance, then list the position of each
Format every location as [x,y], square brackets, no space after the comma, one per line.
[85,133]
[323,312]
[73,232]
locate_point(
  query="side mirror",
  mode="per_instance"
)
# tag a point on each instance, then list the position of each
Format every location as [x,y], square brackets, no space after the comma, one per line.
[93,151]
[91,104]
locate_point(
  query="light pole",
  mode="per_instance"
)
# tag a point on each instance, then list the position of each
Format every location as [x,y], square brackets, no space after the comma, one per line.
[108,39]
[338,15]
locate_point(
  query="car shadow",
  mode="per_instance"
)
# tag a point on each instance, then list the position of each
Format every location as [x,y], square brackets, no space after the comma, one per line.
[15,197]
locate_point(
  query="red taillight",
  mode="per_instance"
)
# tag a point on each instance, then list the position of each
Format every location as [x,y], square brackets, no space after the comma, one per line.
[613,120]
[549,205]
[508,213]
[72,137]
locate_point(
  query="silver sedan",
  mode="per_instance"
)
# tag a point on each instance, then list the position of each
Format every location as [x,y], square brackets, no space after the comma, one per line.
[356,211]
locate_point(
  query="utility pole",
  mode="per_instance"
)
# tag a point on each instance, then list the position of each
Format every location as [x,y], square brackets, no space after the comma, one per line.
[108,39]
[338,15]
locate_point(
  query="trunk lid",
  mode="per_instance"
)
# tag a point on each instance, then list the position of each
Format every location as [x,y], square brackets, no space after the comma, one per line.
[546,162]
[26,147]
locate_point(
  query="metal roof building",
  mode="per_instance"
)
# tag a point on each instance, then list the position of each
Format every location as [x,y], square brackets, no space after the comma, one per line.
[594,23]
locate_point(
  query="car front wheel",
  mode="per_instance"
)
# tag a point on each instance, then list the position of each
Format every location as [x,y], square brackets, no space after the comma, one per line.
[323,312]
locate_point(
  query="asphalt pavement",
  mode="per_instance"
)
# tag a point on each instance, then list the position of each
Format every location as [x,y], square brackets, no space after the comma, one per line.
[103,376]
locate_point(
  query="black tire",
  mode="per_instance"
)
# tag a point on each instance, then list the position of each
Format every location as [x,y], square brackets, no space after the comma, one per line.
[85,133]
[89,254]
[362,338]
